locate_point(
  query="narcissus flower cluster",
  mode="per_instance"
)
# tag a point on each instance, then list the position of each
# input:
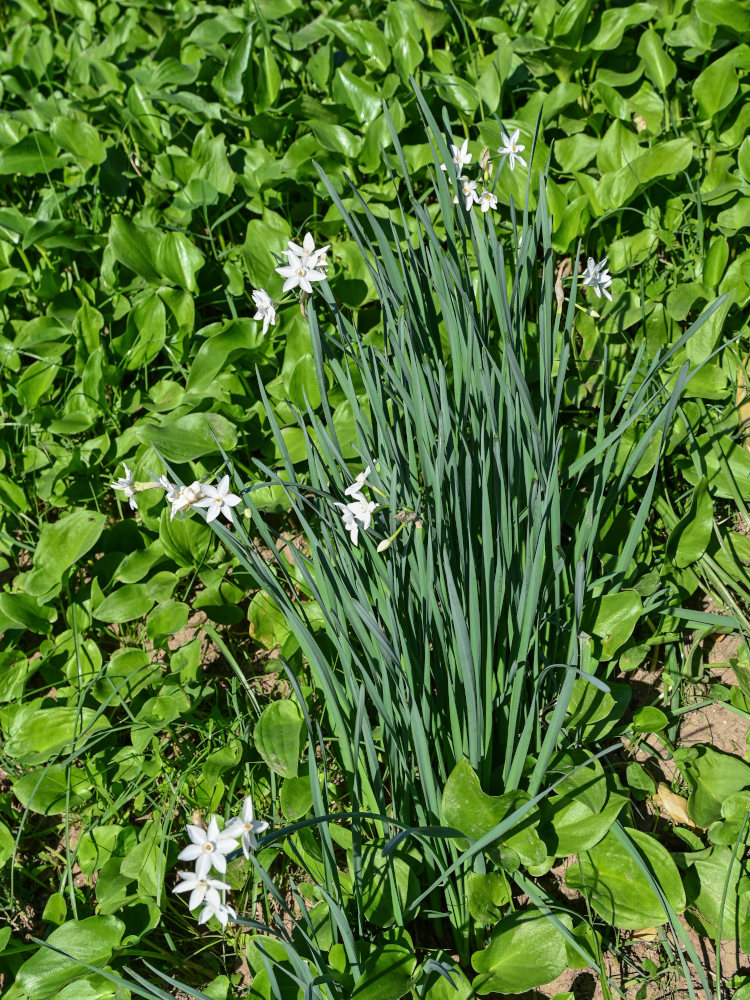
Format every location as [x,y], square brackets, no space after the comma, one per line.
[486,199]
[215,499]
[208,850]
[305,265]
[358,512]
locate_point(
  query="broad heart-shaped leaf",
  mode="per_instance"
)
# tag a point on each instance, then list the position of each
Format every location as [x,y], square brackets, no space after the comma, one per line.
[190,437]
[659,67]
[612,617]
[261,242]
[570,826]
[596,710]
[724,482]
[269,81]
[26,612]
[34,154]
[295,797]
[79,138]
[525,950]
[234,336]
[458,988]
[134,247]
[470,810]
[184,539]
[706,882]
[126,604]
[52,789]
[734,826]
[716,86]
[178,260]
[582,777]
[235,77]
[61,545]
[146,330]
[91,940]
[616,887]
[166,619]
[378,873]
[617,187]
[486,894]
[35,733]
[280,737]
[387,965]
[349,88]
[713,777]
[690,537]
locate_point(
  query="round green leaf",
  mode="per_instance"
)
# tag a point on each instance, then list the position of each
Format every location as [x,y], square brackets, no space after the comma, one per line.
[706,882]
[27,613]
[190,437]
[79,138]
[486,894]
[34,154]
[61,545]
[659,67]
[280,737]
[387,967]
[35,733]
[713,777]
[649,719]
[166,619]
[505,966]
[716,86]
[46,790]
[616,887]
[575,827]
[613,618]
[125,604]
[295,797]
[92,940]
[178,260]
[470,810]
[458,989]
[690,537]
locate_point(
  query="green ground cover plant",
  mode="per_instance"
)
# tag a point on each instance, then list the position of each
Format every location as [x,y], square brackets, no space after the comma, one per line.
[565,476]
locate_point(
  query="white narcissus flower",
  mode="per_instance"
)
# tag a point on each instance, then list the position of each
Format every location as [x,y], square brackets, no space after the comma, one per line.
[264,305]
[307,253]
[215,908]
[461,156]
[171,489]
[208,848]
[350,522]
[297,273]
[182,498]
[487,200]
[469,191]
[200,888]
[127,485]
[512,148]
[597,276]
[356,488]
[218,500]
[246,827]
[362,510]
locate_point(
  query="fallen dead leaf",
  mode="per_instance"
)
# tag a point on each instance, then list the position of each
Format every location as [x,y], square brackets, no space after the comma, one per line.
[675,806]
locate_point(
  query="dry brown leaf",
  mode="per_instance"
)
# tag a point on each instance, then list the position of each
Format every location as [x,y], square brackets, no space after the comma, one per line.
[644,934]
[675,806]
